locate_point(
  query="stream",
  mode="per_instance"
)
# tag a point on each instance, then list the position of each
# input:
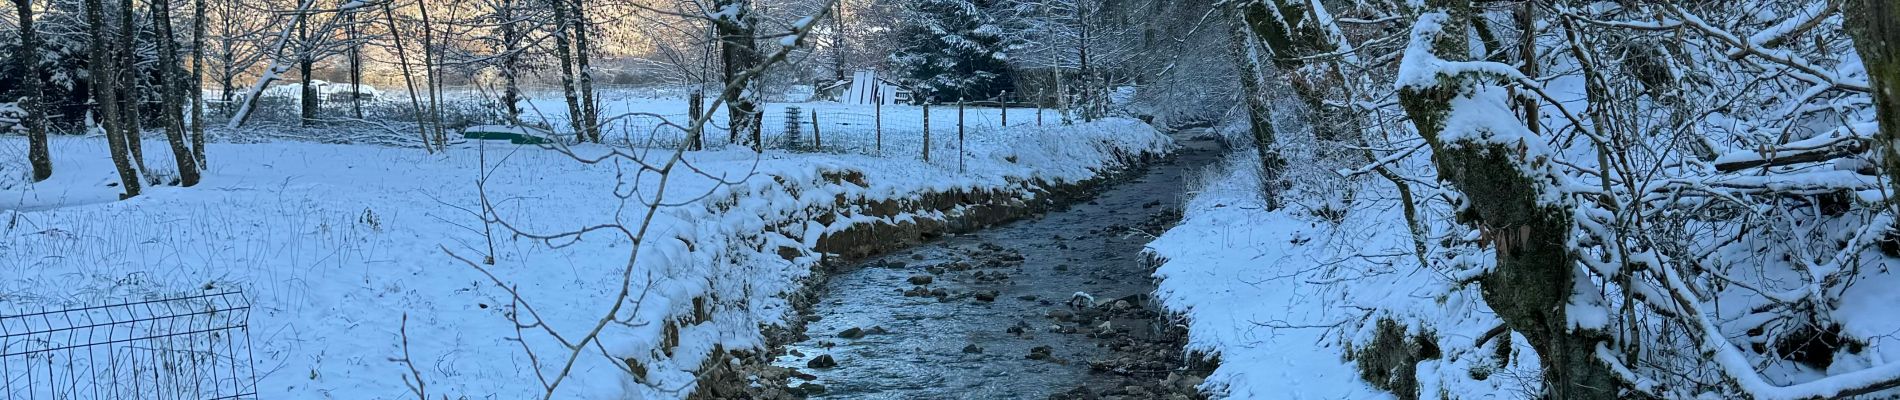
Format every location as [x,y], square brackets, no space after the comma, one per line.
[1050,307]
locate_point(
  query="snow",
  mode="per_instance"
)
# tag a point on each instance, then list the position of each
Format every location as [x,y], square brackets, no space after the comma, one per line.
[1280,296]
[1419,67]
[335,244]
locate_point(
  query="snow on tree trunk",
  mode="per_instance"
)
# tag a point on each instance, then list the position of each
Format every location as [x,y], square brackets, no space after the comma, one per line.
[1501,169]
[276,69]
[1259,120]
[738,51]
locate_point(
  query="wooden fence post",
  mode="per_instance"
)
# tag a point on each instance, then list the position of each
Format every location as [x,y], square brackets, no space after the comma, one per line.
[1004,105]
[959,135]
[693,104]
[817,137]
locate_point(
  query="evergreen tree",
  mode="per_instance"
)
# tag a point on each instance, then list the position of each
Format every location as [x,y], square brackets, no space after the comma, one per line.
[951,49]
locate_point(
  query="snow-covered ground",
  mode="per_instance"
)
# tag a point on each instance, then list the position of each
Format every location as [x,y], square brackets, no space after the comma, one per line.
[1283,296]
[336,244]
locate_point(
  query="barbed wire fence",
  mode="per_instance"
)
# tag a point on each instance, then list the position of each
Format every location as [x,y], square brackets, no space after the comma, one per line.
[191,347]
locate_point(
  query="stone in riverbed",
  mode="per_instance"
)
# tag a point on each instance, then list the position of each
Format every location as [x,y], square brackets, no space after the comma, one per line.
[822,362]
[1060,315]
[1039,353]
[986,295]
[852,333]
[807,389]
[972,349]
[921,279]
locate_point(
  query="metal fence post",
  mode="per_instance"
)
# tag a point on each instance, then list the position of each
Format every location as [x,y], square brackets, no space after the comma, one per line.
[817,136]
[926,131]
[959,135]
[877,112]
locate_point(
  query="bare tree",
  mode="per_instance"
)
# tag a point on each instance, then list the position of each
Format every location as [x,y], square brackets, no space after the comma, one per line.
[673,165]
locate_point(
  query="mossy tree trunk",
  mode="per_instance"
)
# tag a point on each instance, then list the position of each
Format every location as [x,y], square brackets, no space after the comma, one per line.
[1290,32]
[1259,118]
[1534,276]
[1875,27]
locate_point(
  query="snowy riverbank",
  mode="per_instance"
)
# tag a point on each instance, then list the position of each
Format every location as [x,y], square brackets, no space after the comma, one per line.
[335,244]
[1284,297]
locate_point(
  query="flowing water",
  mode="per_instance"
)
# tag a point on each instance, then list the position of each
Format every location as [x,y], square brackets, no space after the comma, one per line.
[1005,320]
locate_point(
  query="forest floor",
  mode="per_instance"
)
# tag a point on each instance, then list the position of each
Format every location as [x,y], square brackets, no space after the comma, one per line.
[336,246]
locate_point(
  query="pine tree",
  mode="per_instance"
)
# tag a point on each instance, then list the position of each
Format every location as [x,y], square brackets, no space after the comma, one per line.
[952,50]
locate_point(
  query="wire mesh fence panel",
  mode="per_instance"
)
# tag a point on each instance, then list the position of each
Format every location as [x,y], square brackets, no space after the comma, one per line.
[889,130]
[194,347]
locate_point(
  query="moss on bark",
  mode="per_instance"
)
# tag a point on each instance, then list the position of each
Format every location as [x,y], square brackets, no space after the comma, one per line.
[1533,279]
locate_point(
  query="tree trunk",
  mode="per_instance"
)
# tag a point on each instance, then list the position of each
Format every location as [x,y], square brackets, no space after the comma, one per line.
[133,125]
[1290,35]
[429,72]
[197,83]
[510,63]
[227,72]
[1534,277]
[590,111]
[1875,26]
[105,98]
[564,51]
[402,60]
[1259,120]
[37,153]
[356,65]
[171,93]
[739,52]
[306,94]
